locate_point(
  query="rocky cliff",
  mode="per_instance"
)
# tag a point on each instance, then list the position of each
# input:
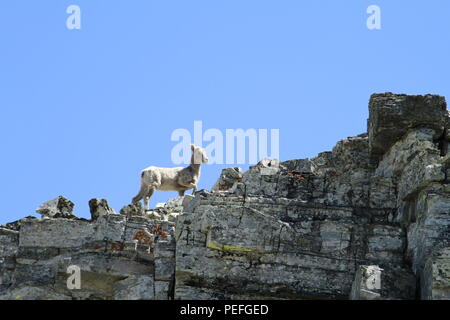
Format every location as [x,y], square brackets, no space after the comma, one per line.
[367,220]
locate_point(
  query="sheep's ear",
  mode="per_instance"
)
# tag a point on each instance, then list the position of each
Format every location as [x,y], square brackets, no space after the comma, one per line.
[192,147]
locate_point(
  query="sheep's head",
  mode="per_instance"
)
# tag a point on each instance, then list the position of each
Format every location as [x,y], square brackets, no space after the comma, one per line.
[198,155]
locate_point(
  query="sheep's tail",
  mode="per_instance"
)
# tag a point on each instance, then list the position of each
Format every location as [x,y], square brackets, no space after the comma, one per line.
[141,193]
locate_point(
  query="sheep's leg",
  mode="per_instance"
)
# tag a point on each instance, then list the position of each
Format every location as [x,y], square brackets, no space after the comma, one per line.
[191,186]
[181,193]
[147,198]
[140,195]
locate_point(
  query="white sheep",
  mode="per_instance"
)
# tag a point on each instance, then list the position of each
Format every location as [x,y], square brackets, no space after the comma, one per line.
[171,179]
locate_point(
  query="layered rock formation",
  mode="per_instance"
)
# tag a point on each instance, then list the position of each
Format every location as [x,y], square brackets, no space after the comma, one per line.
[120,257]
[367,220]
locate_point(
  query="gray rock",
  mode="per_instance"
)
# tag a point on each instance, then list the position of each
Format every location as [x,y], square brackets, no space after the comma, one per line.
[392,115]
[99,208]
[135,288]
[299,165]
[133,210]
[428,227]
[400,154]
[34,260]
[60,207]
[154,215]
[175,204]
[227,179]
[162,290]
[375,283]
[436,276]
[186,200]
[16,224]
[33,293]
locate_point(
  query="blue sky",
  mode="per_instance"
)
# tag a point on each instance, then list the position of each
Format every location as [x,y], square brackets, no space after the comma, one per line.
[83,111]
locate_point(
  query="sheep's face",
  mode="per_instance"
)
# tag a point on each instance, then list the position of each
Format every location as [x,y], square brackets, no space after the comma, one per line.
[199,155]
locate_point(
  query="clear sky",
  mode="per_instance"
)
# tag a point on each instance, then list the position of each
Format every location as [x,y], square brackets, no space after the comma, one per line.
[83,111]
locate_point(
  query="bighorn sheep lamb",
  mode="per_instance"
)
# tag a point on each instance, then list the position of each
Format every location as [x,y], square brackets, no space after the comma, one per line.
[171,179]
